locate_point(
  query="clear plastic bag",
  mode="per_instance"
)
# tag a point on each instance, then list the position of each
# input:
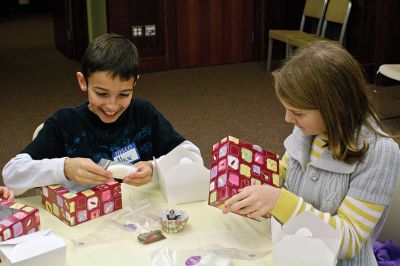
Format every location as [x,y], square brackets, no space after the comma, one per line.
[136,219]
[169,257]
[211,255]
[213,248]
[105,232]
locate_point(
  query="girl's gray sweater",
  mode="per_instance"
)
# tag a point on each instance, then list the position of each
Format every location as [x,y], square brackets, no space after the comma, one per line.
[326,182]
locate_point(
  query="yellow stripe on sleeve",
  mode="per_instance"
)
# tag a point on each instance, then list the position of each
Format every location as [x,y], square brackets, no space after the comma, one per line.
[285,206]
[332,223]
[282,167]
[362,210]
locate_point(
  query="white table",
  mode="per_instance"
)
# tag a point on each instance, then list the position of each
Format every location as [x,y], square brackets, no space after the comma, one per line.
[205,222]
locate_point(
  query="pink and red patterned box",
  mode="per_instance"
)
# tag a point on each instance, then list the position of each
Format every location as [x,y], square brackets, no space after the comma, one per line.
[236,164]
[75,208]
[22,220]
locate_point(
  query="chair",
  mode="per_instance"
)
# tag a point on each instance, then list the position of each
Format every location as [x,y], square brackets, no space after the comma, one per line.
[312,9]
[37,130]
[391,71]
[338,11]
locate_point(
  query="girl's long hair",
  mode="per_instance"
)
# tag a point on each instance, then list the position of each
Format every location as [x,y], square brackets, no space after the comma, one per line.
[326,77]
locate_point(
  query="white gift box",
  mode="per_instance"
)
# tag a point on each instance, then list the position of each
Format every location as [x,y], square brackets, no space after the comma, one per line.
[42,248]
[182,176]
[305,240]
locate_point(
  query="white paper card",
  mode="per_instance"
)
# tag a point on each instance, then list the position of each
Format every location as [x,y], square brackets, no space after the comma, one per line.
[305,240]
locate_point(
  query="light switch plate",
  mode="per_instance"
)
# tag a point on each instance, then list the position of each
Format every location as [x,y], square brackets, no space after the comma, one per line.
[149,30]
[137,31]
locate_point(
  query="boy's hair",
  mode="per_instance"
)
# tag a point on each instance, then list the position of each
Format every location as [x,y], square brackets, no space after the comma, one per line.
[326,77]
[113,53]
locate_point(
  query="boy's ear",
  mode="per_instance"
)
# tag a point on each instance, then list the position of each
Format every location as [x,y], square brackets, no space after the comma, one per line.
[81,81]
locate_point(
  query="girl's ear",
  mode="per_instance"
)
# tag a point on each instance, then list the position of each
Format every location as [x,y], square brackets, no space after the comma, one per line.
[81,81]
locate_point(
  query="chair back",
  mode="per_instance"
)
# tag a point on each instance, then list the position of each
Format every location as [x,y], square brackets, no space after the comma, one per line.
[315,9]
[338,12]
[312,9]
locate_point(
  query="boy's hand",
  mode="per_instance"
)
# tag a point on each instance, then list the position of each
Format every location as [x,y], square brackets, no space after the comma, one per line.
[253,201]
[6,193]
[85,171]
[142,176]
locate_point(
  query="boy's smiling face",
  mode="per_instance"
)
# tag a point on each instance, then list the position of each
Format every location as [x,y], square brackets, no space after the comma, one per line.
[108,97]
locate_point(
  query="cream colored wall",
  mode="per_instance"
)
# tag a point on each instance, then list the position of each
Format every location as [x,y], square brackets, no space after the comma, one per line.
[97,18]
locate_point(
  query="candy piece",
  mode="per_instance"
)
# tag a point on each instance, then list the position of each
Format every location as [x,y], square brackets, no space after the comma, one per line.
[149,237]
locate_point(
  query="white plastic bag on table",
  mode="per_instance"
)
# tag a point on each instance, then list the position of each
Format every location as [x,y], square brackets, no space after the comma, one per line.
[214,248]
[138,218]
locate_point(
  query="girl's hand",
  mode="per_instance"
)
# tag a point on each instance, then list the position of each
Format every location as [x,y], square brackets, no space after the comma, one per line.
[6,193]
[253,201]
[142,176]
[85,171]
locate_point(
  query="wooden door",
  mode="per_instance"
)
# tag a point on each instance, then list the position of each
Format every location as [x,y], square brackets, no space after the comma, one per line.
[61,25]
[214,32]
[70,27]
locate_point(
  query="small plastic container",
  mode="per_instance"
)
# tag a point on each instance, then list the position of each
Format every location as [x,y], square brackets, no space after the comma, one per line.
[173,221]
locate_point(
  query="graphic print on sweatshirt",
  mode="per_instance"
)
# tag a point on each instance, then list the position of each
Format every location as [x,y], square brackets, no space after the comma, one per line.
[122,147]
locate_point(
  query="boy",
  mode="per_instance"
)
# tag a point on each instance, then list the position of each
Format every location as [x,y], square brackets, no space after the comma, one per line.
[109,125]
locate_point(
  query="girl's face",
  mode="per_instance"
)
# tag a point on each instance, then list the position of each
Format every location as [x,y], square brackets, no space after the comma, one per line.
[309,121]
[108,98]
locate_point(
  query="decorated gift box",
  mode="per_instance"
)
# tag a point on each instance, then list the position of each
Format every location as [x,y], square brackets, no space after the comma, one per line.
[77,207]
[236,164]
[17,219]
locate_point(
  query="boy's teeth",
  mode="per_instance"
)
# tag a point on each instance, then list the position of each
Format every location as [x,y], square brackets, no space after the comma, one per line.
[109,113]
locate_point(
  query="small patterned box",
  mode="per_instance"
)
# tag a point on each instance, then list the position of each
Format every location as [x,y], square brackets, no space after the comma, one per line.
[236,164]
[75,208]
[17,219]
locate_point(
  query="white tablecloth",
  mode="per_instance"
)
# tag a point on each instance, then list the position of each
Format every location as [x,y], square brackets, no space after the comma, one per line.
[206,226]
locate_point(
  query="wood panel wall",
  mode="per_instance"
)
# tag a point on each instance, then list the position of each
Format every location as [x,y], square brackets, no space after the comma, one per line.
[155,51]
[373,34]
[214,32]
[205,32]
[189,32]
[237,31]
[199,34]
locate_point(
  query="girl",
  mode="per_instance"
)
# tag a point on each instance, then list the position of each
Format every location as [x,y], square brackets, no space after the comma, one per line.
[339,163]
